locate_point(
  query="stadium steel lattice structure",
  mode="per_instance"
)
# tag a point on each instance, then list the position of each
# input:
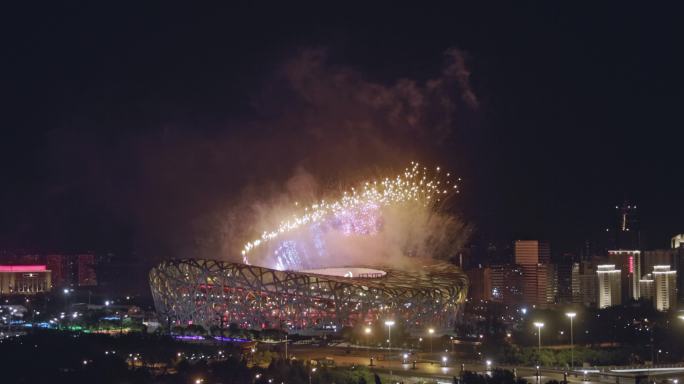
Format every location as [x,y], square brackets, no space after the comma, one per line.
[214,293]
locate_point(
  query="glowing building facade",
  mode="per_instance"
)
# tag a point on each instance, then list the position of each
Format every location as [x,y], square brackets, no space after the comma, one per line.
[646,287]
[664,288]
[213,293]
[629,263]
[609,286]
[24,279]
[534,257]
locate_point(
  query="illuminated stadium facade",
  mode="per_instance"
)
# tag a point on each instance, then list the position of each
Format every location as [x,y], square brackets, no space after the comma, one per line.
[213,293]
[301,281]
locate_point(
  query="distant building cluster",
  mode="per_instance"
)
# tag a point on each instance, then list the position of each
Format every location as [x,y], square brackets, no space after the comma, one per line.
[24,279]
[622,273]
[26,274]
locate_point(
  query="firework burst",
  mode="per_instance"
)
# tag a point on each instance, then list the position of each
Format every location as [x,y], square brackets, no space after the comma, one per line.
[357,212]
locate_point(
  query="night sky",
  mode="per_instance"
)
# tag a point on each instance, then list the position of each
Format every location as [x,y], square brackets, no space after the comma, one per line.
[142,129]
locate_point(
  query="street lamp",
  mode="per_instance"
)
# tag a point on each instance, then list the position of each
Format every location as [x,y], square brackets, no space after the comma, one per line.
[539,326]
[489,365]
[313,370]
[367,331]
[571,315]
[431,331]
[389,324]
[444,360]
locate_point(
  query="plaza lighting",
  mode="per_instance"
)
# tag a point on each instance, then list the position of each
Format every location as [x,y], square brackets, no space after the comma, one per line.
[571,315]
[444,360]
[539,326]
[389,324]
[431,331]
[367,331]
[313,370]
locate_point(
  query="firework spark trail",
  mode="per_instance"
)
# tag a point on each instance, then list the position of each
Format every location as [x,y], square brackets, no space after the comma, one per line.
[357,212]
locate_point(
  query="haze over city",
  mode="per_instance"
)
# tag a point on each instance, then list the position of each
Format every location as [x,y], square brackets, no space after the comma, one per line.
[385,192]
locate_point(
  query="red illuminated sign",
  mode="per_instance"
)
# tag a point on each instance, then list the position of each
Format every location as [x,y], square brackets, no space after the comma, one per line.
[22,268]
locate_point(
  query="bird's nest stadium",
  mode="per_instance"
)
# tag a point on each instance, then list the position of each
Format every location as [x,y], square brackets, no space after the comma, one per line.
[214,293]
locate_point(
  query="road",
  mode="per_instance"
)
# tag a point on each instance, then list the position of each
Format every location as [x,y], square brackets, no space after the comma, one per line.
[427,366]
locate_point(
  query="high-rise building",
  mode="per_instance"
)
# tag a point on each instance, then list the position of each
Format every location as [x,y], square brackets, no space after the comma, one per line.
[678,263]
[86,270]
[678,241]
[646,287]
[609,285]
[507,282]
[550,275]
[624,233]
[674,257]
[532,252]
[659,257]
[584,283]
[534,257]
[56,264]
[564,275]
[665,287]
[480,288]
[628,261]
[72,270]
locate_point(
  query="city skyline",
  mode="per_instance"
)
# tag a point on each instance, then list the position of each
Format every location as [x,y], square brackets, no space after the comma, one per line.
[280,192]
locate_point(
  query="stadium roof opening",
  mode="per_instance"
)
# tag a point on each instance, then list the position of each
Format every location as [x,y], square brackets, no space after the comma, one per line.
[352,272]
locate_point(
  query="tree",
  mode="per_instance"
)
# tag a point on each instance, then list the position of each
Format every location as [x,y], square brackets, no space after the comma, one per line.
[473,378]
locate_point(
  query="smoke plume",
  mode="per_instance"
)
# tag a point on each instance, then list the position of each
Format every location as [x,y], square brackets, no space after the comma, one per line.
[191,187]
